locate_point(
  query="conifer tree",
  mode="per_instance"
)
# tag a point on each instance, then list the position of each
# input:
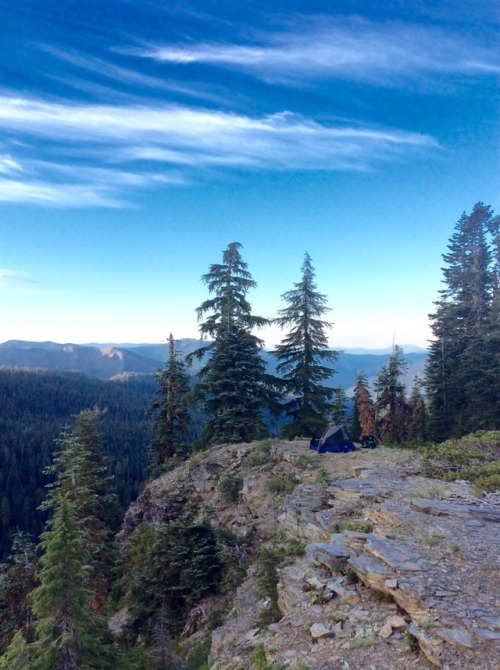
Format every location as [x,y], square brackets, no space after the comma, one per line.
[339,406]
[392,407]
[233,388]
[417,428]
[18,578]
[70,634]
[80,475]
[364,409]
[302,357]
[170,412]
[462,374]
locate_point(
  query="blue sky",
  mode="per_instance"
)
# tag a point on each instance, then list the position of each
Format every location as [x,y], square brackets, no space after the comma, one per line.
[139,137]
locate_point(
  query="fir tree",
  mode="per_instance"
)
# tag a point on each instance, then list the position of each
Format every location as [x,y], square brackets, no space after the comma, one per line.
[364,409]
[417,428]
[80,475]
[70,634]
[18,578]
[233,388]
[166,572]
[339,406]
[302,355]
[392,407]
[170,412]
[462,374]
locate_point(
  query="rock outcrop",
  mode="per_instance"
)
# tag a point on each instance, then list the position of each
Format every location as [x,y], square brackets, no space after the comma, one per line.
[398,571]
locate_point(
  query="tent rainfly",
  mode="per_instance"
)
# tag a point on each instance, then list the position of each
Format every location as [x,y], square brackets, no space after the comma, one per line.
[336,439]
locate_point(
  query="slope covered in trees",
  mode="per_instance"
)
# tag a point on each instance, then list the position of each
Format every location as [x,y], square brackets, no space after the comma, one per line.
[36,406]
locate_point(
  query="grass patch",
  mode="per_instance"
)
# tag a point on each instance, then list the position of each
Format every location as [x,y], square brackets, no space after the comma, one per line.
[260,454]
[307,461]
[362,641]
[323,477]
[432,539]
[354,526]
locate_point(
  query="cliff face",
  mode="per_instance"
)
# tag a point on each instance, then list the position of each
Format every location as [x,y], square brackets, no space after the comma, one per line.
[397,571]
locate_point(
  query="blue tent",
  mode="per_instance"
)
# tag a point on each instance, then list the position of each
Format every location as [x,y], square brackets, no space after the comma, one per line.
[336,439]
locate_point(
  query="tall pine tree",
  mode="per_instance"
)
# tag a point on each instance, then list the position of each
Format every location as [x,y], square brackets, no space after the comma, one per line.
[303,356]
[463,369]
[233,389]
[170,412]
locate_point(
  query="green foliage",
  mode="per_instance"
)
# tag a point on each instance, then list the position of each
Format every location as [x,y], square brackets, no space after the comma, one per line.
[260,454]
[67,626]
[268,561]
[392,408]
[474,457]
[18,578]
[323,477]
[218,614]
[362,641]
[339,407]
[19,654]
[412,642]
[230,486]
[353,526]
[36,407]
[260,660]
[307,461]
[170,413]
[198,656]
[168,571]
[80,476]
[233,389]
[351,576]
[281,484]
[302,357]
[383,596]
[462,379]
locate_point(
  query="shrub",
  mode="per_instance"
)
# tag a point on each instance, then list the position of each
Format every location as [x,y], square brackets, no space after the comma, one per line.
[260,454]
[323,477]
[230,487]
[260,660]
[281,484]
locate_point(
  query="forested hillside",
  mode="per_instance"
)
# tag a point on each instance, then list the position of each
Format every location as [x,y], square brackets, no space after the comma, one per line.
[36,406]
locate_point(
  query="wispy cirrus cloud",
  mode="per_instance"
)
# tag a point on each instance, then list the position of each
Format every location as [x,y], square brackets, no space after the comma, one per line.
[357,49]
[8,165]
[90,155]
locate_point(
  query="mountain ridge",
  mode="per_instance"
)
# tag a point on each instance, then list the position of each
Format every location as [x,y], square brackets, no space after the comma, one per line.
[105,361]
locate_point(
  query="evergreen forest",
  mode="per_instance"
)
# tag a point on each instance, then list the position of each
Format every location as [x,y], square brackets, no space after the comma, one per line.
[76,451]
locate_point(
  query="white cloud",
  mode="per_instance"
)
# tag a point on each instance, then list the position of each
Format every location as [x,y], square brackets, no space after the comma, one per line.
[349,49]
[60,195]
[171,131]
[81,145]
[9,165]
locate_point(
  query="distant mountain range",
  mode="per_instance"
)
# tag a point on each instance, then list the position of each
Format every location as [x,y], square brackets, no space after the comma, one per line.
[105,361]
